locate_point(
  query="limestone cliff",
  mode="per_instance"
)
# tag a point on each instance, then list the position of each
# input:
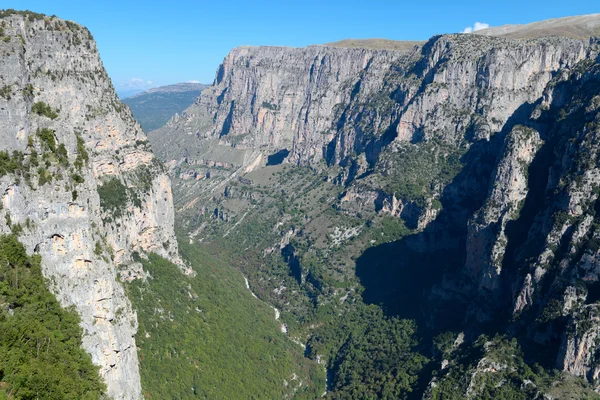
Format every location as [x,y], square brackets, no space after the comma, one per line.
[88,191]
[329,103]
[280,98]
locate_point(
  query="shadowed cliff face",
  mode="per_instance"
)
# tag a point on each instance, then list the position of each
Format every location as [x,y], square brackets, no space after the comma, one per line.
[87,190]
[410,277]
[520,257]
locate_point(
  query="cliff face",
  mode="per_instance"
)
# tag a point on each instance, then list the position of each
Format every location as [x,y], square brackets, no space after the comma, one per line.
[88,191]
[329,103]
[483,147]
[281,98]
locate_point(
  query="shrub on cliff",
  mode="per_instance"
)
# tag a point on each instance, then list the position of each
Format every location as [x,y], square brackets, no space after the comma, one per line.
[41,108]
[113,197]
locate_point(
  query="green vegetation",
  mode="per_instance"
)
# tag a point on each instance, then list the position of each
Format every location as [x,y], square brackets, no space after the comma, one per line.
[370,356]
[113,197]
[98,248]
[40,342]
[44,176]
[416,171]
[28,91]
[47,137]
[41,108]
[11,164]
[205,336]
[6,90]
[63,156]
[82,154]
[270,106]
[77,179]
[26,166]
[72,25]
[388,229]
[28,14]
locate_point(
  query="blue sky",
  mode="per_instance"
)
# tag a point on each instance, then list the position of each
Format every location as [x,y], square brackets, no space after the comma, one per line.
[167,42]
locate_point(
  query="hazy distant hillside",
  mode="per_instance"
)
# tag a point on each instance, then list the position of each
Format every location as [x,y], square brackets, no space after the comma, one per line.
[154,107]
[123,94]
[579,27]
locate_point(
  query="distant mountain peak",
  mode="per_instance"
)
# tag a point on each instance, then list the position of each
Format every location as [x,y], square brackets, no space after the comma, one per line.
[175,88]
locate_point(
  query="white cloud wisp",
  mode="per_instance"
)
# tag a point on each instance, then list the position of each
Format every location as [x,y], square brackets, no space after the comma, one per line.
[477,27]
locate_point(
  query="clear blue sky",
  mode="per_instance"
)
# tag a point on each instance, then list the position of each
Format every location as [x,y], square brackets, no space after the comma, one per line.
[173,41]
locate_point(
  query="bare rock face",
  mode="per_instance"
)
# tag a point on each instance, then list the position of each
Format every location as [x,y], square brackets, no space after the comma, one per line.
[329,103]
[95,193]
[486,242]
[580,344]
[545,189]
[281,98]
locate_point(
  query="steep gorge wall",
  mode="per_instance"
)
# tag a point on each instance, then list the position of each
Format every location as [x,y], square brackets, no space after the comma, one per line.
[280,98]
[332,103]
[85,240]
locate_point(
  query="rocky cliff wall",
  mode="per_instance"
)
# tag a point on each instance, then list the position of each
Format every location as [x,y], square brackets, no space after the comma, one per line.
[323,103]
[88,191]
[281,98]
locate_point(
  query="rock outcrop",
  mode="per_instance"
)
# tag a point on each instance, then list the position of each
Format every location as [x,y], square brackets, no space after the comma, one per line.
[88,191]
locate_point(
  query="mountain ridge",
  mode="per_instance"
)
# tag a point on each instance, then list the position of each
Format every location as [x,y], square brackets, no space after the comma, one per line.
[377,44]
[174,88]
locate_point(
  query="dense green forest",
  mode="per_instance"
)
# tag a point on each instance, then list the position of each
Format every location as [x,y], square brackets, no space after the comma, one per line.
[373,357]
[40,342]
[206,337]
